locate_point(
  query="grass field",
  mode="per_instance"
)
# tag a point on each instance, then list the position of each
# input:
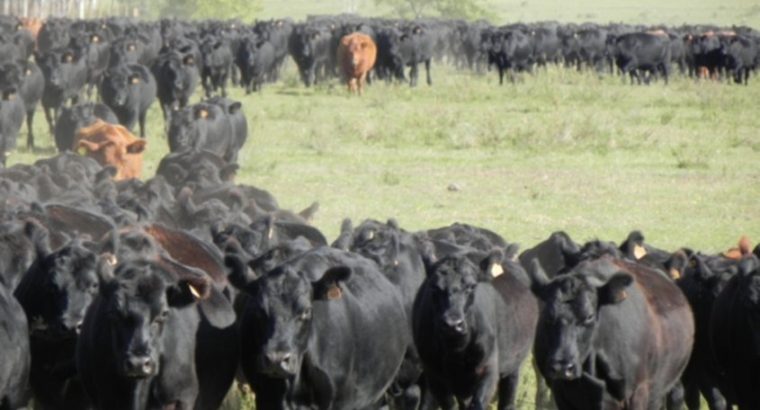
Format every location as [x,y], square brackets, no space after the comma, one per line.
[593,156]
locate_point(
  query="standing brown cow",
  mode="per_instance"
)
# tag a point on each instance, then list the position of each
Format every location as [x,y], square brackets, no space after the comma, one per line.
[356,54]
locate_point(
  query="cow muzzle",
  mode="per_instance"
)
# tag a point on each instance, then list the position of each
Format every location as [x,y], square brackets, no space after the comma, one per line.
[140,367]
[280,364]
[564,370]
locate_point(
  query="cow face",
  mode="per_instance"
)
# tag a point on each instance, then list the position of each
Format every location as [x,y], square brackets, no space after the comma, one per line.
[58,290]
[377,241]
[570,318]
[453,281]
[281,303]
[139,303]
[118,82]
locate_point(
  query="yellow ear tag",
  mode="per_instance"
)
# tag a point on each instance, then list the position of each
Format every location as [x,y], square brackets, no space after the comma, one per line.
[674,274]
[639,252]
[270,233]
[95,39]
[11,97]
[496,270]
[135,80]
[195,292]
[203,114]
[371,235]
[28,72]
[82,151]
[334,293]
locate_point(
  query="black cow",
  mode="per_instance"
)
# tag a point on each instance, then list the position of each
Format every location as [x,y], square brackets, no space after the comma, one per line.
[129,90]
[735,335]
[638,52]
[314,324]
[397,254]
[55,294]
[204,126]
[741,57]
[14,342]
[309,45]
[256,59]
[138,339]
[511,50]
[177,77]
[65,75]
[702,280]
[237,118]
[217,61]
[408,47]
[72,119]
[473,326]
[12,113]
[30,84]
[612,334]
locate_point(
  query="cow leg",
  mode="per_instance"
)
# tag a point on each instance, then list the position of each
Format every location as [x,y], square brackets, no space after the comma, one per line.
[501,75]
[675,397]
[49,118]
[691,396]
[30,131]
[444,399]
[413,75]
[141,120]
[713,397]
[508,391]
[427,70]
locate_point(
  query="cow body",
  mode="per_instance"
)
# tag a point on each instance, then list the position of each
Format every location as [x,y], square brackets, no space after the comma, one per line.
[65,75]
[73,119]
[612,335]
[129,90]
[639,52]
[204,126]
[356,55]
[336,338]
[14,342]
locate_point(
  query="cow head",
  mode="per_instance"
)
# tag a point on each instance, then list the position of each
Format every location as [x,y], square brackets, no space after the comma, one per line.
[118,82]
[113,145]
[569,321]
[21,244]
[139,302]
[281,302]
[59,287]
[453,281]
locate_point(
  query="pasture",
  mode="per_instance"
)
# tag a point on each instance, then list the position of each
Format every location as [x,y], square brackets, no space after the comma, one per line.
[593,156]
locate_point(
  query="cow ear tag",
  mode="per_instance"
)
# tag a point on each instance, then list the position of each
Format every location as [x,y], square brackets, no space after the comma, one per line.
[496,270]
[135,80]
[194,291]
[82,151]
[203,113]
[674,274]
[334,292]
[639,252]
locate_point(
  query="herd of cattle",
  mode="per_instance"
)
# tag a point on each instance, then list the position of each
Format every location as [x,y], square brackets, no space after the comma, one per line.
[123,293]
[132,63]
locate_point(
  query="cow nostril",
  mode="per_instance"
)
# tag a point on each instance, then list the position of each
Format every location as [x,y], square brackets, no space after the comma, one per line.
[147,366]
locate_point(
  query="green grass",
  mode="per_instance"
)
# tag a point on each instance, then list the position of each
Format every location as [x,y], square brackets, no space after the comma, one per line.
[593,156]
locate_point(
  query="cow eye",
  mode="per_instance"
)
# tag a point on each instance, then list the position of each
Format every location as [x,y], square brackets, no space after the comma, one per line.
[161,318]
[94,287]
[305,315]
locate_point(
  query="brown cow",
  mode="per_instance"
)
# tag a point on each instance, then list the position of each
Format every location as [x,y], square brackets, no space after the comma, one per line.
[32,24]
[114,145]
[356,55]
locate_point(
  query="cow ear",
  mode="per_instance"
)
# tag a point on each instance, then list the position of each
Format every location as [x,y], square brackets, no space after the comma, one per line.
[676,264]
[491,266]
[328,287]
[136,147]
[343,241]
[85,147]
[39,236]
[393,224]
[187,291]
[538,279]
[614,291]
[427,253]
[240,276]
[234,107]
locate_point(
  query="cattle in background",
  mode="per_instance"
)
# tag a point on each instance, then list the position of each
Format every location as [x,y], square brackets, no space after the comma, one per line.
[356,55]
[65,75]
[79,116]
[332,316]
[408,47]
[95,51]
[53,34]
[30,84]
[177,77]
[510,50]
[635,53]
[612,334]
[734,332]
[217,58]
[309,46]
[129,90]
[114,145]
[206,126]
[256,59]
[742,55]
